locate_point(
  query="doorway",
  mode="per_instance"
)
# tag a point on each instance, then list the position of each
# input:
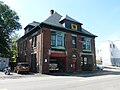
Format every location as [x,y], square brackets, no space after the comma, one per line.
[33,63]
[74,65]
[86,63]
[57,64]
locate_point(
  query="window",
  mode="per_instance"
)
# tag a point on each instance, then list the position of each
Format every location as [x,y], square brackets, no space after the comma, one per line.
[110,46]
[86,43]
[73,42]
[74,27]
[20,46]
[57,40]
[113,45]
[53,40]
[25,45]
[34,41]
[85,60]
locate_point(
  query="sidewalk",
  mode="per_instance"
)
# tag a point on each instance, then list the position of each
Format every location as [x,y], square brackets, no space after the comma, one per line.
[112,67]
[18,76]
[107,71]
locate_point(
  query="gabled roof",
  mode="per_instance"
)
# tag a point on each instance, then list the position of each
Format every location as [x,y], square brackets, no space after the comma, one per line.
[88,33]
[34,24]
[54,20]
[68,18]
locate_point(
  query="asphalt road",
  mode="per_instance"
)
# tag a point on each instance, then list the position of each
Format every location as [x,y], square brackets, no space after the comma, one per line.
[102,82]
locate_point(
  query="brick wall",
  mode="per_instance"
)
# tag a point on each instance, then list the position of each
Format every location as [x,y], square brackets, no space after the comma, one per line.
[46,48]
[68,45]
[44,45]
[93,49]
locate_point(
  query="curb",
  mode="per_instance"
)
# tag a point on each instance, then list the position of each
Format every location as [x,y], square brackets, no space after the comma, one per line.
[106,71]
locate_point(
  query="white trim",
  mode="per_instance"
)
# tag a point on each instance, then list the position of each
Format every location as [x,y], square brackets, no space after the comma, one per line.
[86,54]
[74,35]
[53,30]
[57,31]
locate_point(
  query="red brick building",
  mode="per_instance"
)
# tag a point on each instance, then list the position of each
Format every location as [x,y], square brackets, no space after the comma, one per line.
[57,44]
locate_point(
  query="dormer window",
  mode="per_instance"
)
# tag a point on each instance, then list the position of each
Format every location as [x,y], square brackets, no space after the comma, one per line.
[74,27]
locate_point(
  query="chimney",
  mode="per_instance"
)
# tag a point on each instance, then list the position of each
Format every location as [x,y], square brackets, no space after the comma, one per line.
[51,12]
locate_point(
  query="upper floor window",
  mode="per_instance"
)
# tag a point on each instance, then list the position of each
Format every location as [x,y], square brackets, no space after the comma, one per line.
[53,39]
[34,41]
[57,39]
[110,46]
[113,45]
[25,44]
[74,27]
[73,41]
[86,44]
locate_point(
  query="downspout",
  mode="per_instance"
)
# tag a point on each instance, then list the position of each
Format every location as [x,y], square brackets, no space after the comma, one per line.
[41,51]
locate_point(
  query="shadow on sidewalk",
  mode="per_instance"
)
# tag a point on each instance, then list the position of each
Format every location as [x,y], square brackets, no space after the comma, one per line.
[87,73]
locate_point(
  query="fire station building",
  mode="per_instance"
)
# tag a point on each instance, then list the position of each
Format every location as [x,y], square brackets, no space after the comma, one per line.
[58,44]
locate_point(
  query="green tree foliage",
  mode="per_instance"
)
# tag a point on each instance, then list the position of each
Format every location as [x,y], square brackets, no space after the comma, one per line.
[8,25]
[13,47]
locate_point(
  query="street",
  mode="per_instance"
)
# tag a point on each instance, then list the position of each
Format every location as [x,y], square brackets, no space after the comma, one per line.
[110,81]
[107,82]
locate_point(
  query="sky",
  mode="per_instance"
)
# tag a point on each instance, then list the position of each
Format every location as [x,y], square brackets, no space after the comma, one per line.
[100,17]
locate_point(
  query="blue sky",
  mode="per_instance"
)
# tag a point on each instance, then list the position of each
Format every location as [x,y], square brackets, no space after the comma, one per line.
[100,17]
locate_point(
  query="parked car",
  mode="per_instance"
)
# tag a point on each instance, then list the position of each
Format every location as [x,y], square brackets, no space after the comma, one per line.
[53,67]
[22,67]
[99,67]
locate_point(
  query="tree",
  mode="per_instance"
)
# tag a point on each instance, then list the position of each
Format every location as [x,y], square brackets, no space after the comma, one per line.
[13,50]
[13,47]
[8,25]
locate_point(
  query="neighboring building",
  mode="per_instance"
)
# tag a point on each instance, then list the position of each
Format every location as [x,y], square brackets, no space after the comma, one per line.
[98,56]
[4,62]
[58,43]
[110,52]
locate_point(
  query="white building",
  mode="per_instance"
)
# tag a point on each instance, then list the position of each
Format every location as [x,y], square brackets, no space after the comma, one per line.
[110,52]
[98,56]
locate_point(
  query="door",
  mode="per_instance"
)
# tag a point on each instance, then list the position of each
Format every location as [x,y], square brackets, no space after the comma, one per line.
[33,63]
[74,65]
[84,63]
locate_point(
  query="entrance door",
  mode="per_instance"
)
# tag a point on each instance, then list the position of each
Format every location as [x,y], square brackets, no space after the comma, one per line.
[74,65]
[33,63]
[61,64]
[86,63]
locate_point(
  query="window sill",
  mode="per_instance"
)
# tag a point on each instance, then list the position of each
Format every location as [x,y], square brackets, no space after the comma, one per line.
[86,50]
[60,48]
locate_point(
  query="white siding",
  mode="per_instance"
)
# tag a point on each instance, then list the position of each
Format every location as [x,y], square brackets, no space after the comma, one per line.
[110,52]
[116,50]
